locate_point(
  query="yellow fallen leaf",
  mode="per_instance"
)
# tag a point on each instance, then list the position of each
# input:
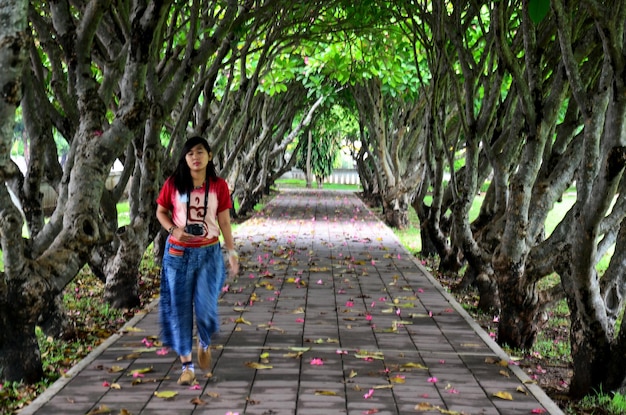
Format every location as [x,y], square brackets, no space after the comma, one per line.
[115,369]
[364,354]
[503,395]
[424,406]
[505,373]
[240,309]
[131,356]
[397,379]
[258,366]
[325,393]
[102,409]
[132,329]
[242,320]
[145,350]
[140,371]
[166,394]
[124,411]
[115,386]
[352,374]
[412,365]
[214,395]
[293,355]
[300,349]
[383,387]
[522,389]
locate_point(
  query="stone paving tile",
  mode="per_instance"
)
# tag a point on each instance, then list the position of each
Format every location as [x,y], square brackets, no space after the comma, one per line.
[340,318]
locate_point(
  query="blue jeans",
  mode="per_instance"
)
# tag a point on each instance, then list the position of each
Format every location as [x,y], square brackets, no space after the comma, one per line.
[191,278]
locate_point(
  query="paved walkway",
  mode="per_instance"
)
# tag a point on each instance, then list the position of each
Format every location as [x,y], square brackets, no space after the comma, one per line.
[329,315]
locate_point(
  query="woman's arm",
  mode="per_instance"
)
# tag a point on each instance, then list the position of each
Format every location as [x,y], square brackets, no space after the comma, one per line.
[223,219]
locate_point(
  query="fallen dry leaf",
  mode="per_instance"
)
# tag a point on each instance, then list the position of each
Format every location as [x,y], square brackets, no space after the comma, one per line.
[325,393]
[198,401]
[131,356]
[102,409]
[424,406]
[140,371]
[364,354]
[412,365]
[503,395]
[258,366]
[166,394]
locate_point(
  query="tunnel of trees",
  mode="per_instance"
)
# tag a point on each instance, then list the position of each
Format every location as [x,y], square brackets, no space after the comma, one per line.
[522,101]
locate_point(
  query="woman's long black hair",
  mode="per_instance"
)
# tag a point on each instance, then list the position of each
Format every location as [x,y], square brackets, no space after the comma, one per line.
[182,175]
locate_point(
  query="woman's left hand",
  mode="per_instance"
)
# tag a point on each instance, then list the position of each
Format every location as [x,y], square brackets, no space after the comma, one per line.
[233,262]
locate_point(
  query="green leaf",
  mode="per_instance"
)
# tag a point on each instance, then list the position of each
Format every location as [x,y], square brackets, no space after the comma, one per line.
[538,9]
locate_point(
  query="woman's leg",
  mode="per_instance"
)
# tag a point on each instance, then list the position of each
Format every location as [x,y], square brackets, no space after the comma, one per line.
[176,303]
[211,277]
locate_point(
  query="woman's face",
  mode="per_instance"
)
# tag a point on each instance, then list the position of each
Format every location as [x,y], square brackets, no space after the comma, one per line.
[197,158]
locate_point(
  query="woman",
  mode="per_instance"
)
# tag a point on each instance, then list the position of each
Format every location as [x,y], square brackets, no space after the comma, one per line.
[194,206]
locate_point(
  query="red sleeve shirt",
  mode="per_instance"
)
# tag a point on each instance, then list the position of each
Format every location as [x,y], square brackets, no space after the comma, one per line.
[218,201]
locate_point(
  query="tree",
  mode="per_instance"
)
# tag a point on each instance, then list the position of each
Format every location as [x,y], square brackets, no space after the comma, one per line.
[114,79]
[13,47]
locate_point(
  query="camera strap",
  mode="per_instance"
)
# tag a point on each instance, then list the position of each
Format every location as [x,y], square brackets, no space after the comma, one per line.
[206,201]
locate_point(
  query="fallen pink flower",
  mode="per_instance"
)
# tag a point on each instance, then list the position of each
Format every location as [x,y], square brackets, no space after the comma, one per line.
[195,387]
[442,361]
[162,351]
[538,411]
[432,380]
[138,375]
[339,351]
[147,342]
[420,290]
[320,282]
[299,320]
[369,394]
[349,303]
[368,317]
[317,361]
[106,384]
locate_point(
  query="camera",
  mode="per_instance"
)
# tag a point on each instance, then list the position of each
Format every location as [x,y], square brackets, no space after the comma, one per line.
[194,229]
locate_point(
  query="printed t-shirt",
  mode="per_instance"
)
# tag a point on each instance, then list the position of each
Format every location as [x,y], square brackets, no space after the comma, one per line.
[175,202]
